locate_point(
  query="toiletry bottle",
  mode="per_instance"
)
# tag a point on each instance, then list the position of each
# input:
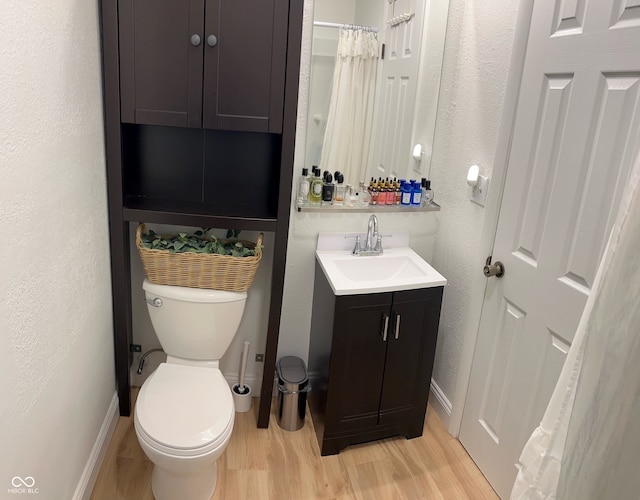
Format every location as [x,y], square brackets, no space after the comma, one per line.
[397,195]
[303,188]
[315,188]
[350,196]
[338,198]
[406,194]
[390,193]
[382,193]
[327,189]
[364,197]
[416,193]
[427,193]
[373,190]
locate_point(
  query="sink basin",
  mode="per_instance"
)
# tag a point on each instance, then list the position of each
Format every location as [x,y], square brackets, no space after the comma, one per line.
[376,268]
[396,269]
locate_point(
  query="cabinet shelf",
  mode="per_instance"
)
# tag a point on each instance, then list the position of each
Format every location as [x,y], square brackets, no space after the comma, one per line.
[333,209]
[192,214]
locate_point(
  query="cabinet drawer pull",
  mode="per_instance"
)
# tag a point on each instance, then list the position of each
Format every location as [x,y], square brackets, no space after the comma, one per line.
[397,326]
[385,328]
[212,40]
[195,39]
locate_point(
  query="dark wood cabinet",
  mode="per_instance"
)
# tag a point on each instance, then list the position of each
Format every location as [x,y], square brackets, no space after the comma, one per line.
[215,64]
[199,132]
[370,359]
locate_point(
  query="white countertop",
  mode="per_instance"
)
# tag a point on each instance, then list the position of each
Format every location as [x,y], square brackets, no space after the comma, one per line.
[398,268]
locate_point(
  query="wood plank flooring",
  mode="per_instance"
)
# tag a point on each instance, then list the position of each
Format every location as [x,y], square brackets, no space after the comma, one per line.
[276,464]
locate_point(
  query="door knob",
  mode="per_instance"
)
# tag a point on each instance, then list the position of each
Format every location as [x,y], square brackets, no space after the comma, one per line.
[195,40]
[496,269]
[212,40]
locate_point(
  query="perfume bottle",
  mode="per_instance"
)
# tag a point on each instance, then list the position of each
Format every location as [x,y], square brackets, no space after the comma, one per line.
[427,193]
[302,198]
[338,198]
[350,196]
[315,188]
[327,189]
[363,196]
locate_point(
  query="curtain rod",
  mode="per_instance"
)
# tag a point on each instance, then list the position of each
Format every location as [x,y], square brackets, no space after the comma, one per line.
[323,24]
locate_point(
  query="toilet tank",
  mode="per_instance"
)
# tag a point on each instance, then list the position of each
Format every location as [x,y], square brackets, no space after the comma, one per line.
[194,323]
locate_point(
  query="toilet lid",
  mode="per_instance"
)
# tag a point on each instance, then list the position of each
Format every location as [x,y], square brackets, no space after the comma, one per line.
[185,407]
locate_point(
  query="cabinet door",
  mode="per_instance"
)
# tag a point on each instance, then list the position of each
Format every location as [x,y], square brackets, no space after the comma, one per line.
[409,363]
[357,361]
[245,69]
[160,63]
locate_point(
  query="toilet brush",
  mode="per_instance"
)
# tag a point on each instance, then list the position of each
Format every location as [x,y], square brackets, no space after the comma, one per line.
[242,392]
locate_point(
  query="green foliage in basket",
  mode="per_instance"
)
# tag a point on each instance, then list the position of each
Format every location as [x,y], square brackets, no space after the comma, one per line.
[198,242]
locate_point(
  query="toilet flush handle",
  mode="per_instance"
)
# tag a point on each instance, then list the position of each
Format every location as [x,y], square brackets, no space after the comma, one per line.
[157,302]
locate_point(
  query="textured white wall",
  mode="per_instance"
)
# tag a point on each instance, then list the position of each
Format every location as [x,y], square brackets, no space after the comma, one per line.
[56,344]
[476,65]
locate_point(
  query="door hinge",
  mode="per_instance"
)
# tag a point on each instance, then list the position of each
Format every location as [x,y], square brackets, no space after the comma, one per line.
[382,54]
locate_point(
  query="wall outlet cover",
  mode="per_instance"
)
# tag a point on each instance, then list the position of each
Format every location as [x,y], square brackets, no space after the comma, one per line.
[478,193]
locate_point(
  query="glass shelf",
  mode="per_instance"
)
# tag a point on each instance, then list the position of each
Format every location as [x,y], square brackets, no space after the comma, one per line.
[335,209]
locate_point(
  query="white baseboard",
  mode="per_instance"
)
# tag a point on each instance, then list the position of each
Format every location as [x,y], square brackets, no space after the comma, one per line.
[91,470]
[440,404]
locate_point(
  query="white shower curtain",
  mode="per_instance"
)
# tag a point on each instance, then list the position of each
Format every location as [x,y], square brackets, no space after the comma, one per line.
[348,133]
[587,446]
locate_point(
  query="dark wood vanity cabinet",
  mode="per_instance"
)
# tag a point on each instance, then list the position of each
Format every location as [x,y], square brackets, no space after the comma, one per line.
[214,64]
[370,360]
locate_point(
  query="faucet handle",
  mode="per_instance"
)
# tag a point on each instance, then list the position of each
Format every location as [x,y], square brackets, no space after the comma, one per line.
[357,247]
[378,246]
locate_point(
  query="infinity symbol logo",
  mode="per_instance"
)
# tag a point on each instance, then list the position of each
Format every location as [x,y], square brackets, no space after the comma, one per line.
[28,481]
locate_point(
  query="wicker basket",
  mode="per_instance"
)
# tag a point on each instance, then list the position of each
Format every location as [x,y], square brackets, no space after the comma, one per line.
[198,270]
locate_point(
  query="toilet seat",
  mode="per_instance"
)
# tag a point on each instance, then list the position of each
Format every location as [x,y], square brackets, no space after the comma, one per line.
[185,410]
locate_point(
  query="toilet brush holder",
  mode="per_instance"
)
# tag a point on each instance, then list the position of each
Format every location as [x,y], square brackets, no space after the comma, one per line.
[242,398]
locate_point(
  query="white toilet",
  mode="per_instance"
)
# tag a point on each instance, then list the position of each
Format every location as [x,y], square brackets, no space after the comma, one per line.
[184,413]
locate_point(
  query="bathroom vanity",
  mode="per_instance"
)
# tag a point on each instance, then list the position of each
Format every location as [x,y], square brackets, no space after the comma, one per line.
[372,346]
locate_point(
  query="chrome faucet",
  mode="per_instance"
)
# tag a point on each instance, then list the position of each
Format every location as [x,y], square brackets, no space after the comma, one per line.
[373,241]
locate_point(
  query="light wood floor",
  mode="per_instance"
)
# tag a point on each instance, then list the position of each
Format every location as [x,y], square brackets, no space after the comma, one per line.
[275,464]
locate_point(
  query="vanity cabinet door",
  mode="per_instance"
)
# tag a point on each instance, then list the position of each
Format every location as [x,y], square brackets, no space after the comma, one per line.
[410,352]
[161,43]
[357,361]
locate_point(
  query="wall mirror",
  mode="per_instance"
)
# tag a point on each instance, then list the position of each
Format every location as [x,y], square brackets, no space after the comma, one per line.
[367,112]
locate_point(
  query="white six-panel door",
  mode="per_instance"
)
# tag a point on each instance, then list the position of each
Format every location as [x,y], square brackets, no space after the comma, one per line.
[397,89]
[575,134]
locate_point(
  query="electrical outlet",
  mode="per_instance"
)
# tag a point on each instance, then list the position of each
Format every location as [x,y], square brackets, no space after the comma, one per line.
[479,192]
[259,358]
[135,348]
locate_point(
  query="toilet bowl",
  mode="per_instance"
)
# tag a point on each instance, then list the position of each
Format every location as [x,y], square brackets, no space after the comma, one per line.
[184,413]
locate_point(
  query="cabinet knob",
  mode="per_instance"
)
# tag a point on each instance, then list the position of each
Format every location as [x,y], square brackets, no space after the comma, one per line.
[212,40]
[195,39]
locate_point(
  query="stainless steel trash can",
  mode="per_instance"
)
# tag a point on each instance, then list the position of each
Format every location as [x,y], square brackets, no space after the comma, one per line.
[293,385]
